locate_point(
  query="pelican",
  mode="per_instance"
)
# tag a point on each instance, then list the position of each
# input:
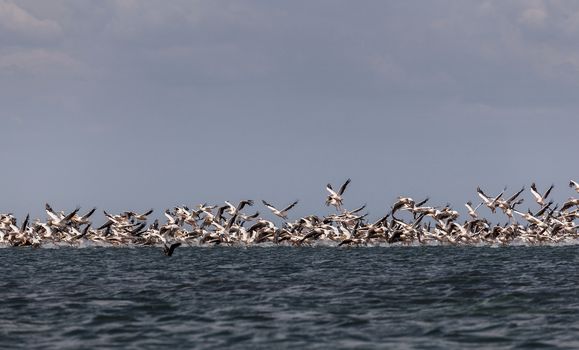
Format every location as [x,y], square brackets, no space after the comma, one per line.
[59,219]
[83,219]
[471,210]
[508,204]
[141,217]
[530,218]
[403,202]
[280,213]
[233,210]
[571,202]
[491,203]
[347,227]
[335,198]
[538,198]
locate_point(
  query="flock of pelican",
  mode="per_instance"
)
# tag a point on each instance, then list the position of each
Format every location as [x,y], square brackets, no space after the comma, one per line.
[407,222]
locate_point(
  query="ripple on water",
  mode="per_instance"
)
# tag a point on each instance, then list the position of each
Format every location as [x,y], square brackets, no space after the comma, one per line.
[406,297]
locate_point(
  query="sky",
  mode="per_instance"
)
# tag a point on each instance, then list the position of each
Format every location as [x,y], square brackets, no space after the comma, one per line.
[125,104]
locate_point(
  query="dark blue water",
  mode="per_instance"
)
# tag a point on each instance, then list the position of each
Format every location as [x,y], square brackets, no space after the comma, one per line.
[281,297]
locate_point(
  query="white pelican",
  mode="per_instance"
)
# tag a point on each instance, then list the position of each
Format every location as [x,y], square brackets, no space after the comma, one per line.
[571,202]
[538,198]
[491,203]
[281,213]
[471,210]
[335,198]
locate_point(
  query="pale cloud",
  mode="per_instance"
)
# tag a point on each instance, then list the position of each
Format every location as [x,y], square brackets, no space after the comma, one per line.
[33,62]
[533,36]
[17,120]
[374,82]
[17,20]
[130,19]
[533,16]
[223,62]
[408,45]
[386,67]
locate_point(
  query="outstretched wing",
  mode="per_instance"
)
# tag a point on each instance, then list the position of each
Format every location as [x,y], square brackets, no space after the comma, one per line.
[174,246]
[71,215]
[269,206]
[331,190]
[343,188]
[482,195]
[535,193]
[290,206]
[358,210]
[419,204]
[244,203]
[25,223]
[548,191]
[513,197]
[88,215]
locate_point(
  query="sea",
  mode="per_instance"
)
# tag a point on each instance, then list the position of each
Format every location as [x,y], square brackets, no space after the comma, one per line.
[419,297]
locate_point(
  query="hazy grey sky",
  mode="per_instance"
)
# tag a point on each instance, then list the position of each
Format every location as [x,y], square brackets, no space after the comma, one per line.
[138,104]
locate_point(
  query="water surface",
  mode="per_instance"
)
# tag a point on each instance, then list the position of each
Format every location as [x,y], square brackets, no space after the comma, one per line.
[284,297]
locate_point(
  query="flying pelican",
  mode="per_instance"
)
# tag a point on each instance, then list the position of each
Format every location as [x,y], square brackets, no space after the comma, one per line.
[508,205]
[83,219]
[335,198]
[402,202]
[233,210]
[574,185]
[281,213]
[491,203]
[471,210]
[141,217]
[538,198]
[170,218]
[571,202]
[59,219]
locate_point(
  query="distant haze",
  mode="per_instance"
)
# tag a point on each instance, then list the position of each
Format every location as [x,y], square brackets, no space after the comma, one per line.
[138,104]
